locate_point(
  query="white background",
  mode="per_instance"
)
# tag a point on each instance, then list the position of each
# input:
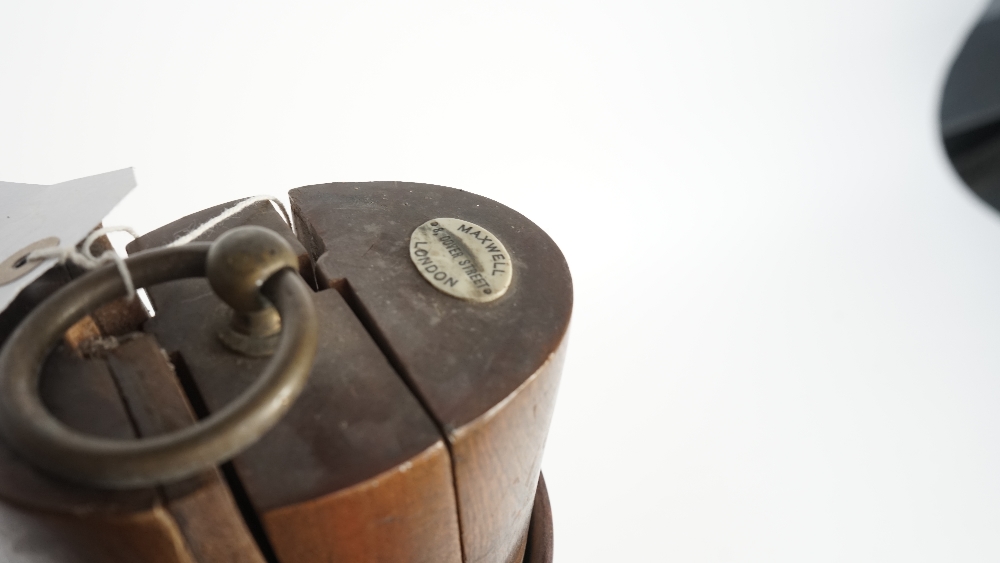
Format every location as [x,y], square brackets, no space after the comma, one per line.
[787,312]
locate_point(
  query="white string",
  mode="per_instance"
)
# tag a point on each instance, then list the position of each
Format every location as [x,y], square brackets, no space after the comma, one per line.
[211,223]
[85,258]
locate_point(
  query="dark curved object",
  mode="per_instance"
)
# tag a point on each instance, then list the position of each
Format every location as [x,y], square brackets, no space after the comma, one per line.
[540,537]
[970,109]
[39,437]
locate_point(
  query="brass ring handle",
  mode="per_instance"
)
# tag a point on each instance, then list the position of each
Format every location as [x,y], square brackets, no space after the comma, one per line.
[261,257]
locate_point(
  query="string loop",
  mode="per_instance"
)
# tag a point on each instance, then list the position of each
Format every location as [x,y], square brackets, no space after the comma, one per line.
[84,256]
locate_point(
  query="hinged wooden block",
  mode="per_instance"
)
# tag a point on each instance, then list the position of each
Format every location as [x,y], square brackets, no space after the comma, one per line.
[418,437]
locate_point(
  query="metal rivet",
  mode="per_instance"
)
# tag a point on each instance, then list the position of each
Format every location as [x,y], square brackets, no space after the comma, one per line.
[17,265]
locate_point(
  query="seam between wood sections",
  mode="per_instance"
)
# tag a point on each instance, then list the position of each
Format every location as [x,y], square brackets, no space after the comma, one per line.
[227,470]
[161,494]
[343,287]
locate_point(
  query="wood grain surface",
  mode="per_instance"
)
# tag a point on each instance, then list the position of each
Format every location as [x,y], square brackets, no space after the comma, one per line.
[541,541]
[404,514]
[203,506]
[261,213]
[356,471]
[486,373]
[44,519]
[418,437]
[499,457]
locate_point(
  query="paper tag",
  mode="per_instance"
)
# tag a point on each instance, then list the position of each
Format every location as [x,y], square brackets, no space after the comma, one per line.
[68,211]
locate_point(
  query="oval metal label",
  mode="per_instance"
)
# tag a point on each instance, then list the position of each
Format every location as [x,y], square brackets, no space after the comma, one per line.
[461,259]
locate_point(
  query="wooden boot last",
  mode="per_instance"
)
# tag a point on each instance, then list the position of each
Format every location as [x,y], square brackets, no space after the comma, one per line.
[441,327]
